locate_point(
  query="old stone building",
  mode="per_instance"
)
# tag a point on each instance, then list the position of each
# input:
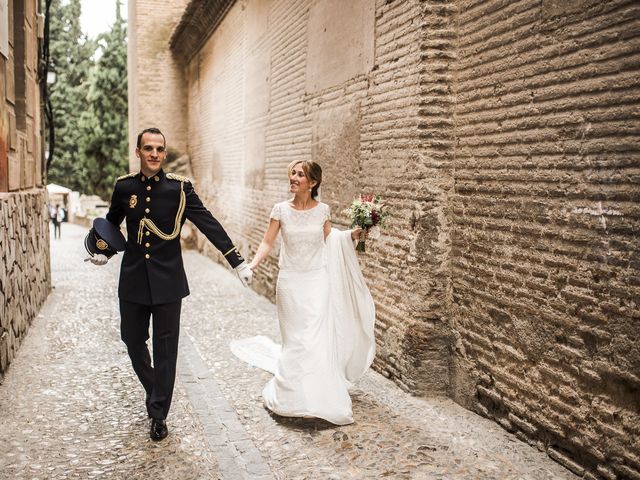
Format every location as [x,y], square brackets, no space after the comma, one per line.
[24,231]
[503,135]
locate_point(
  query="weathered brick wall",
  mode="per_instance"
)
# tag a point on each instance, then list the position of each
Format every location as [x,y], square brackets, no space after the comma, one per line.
[502,135]
[25,276]
[157,92]
[406,153]
[545,226]
[343,83]
[216,130]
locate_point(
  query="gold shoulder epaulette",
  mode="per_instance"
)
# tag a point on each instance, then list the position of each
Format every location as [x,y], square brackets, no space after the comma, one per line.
[128,175]
[175,176]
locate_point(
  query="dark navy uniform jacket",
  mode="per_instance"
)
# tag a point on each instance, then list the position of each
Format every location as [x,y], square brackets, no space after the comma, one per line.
[152,272]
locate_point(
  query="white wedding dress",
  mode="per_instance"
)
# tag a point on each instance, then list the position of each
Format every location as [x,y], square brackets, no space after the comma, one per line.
[326,317]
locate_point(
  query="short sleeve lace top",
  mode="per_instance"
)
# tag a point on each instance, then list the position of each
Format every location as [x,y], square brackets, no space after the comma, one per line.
[302,231]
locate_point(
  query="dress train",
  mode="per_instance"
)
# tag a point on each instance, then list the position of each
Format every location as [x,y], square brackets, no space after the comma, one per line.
[327,324]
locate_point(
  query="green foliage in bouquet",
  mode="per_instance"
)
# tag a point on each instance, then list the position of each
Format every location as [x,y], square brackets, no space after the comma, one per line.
[369,213]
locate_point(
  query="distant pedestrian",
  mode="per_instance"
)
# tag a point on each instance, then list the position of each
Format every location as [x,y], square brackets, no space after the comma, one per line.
[153,283]
[57,217]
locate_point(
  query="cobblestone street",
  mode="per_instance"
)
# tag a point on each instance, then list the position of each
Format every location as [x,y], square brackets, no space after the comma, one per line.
[72,407]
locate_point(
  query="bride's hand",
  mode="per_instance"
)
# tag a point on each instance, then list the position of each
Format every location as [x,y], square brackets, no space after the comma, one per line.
[358,232]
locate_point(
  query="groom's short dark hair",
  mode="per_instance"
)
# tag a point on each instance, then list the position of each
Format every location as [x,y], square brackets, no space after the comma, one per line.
[150,130]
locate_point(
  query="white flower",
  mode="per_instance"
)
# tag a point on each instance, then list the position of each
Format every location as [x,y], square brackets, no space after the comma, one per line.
[374,233]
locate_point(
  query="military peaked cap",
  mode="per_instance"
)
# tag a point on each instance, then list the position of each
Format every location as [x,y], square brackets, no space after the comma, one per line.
[104,238]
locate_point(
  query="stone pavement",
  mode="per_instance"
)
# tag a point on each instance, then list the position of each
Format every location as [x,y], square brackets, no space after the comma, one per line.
[72,408]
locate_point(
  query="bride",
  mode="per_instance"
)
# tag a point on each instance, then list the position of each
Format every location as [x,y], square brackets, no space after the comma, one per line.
[325,310]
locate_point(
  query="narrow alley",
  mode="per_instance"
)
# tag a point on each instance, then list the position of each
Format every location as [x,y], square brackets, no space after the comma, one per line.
[72,407]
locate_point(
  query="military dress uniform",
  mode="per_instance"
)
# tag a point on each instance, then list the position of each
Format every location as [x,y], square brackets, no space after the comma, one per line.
[152,277]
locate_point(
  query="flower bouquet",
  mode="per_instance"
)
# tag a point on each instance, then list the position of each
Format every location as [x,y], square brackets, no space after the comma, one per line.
[368,213]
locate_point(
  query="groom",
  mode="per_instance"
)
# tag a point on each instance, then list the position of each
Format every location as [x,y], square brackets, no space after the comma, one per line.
[152,277]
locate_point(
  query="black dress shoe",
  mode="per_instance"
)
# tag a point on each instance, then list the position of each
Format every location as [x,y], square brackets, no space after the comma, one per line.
[159,430]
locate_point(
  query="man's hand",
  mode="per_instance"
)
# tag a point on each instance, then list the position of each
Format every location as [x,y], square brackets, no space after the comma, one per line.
[98,259]
[244,273]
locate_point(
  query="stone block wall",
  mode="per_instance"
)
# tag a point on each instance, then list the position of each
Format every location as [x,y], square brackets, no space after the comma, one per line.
[25,273]
[544,260]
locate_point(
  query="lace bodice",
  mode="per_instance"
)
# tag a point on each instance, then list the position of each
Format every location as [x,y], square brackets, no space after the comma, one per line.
[303,246]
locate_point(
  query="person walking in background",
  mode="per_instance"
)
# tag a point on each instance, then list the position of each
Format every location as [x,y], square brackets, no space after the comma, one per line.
[57,217]
[152,282]
[52,217]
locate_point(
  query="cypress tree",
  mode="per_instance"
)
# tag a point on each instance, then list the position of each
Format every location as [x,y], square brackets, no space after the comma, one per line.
[104,123]
[70,60]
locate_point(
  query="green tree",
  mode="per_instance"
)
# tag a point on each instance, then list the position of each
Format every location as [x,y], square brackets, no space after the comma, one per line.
[104,124]
[70,60]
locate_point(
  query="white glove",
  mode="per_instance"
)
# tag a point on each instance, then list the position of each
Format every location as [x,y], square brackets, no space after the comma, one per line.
[245,274]
[97,259]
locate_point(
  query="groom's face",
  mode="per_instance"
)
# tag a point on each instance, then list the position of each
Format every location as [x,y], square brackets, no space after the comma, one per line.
[151,152]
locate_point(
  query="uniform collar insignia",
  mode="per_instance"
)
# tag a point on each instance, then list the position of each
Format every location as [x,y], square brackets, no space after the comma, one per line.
[160,174]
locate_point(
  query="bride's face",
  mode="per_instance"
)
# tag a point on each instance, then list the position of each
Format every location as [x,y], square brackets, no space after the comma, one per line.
[298,181]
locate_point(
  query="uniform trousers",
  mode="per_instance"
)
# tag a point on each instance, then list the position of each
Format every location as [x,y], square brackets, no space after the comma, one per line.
[157,379]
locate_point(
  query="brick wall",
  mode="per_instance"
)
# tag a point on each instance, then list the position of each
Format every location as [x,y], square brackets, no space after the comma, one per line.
[216,129]
[502,136]
[545,225]
[406,153]
[272,84]
[157,92]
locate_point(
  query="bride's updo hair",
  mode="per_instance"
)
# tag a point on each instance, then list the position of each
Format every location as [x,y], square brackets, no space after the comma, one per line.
[312,171]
